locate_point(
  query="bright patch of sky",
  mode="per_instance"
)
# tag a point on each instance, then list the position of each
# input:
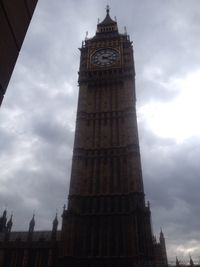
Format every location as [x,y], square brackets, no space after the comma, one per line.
[176,119]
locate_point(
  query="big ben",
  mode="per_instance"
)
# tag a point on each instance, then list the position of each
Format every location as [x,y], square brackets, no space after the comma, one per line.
[107,222]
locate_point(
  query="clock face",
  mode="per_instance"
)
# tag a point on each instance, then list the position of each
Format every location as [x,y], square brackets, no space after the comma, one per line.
[105,57]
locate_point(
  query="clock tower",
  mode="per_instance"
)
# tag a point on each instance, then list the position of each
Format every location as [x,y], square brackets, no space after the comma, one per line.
[107,222]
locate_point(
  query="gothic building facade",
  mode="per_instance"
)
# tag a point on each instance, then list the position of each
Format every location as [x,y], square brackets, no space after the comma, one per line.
[107,221]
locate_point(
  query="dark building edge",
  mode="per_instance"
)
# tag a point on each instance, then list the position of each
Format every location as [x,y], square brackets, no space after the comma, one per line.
[15,18]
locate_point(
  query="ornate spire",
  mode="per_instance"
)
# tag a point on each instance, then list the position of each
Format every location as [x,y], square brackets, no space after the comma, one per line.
[163,247]
[5,213]
[9,224]
[177,262]
[3,221]
[31,228]
[8,228]
[191,261]
[107,20]
[64,208]
[32,224]
[107,9]
[54,228]
[107,25]
[161,234]
[55,223]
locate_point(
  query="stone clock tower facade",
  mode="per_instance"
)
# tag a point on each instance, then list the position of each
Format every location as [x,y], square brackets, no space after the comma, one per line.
[107,222]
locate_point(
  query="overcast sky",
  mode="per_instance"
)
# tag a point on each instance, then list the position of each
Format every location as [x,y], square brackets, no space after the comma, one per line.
[37,117]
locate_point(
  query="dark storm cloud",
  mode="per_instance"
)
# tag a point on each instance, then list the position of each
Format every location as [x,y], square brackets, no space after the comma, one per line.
[37,118]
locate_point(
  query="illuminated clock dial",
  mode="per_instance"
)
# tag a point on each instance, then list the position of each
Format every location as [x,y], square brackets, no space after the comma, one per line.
[105,57]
